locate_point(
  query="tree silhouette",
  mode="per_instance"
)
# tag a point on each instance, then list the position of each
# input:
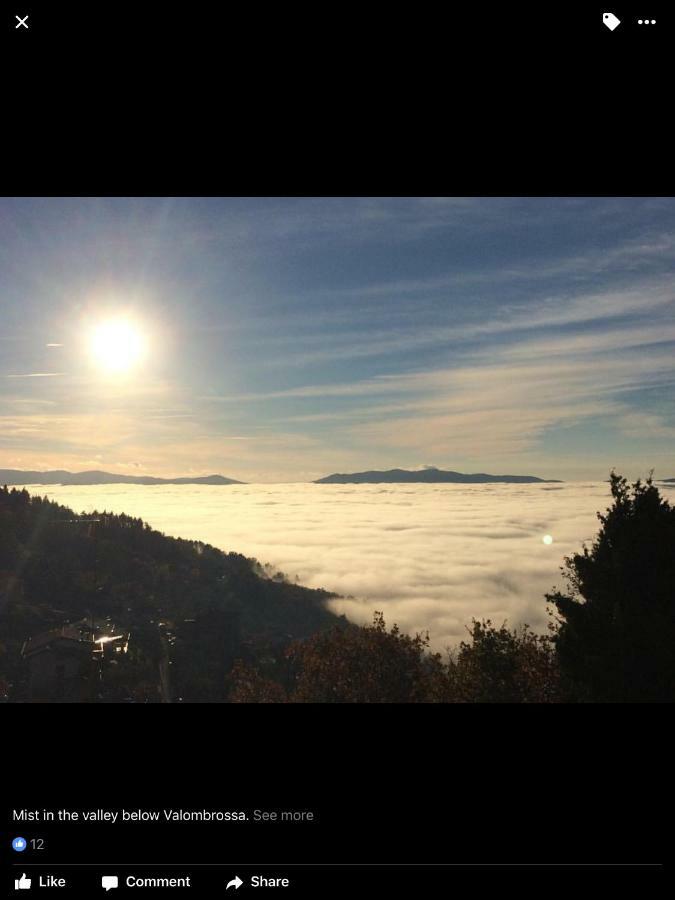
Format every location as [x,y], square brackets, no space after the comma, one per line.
[364,665]
[370,664]
[500,665]
[615,631]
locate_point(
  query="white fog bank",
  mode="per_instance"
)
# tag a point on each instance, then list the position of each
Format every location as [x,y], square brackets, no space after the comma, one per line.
[430,556]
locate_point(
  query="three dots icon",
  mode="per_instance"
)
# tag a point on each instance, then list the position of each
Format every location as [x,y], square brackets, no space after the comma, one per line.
[646,21]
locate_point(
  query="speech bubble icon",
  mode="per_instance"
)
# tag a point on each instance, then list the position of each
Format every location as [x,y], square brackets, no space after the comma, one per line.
[109,881]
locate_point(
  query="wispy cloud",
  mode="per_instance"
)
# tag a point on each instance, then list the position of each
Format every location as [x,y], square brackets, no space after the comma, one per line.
[294,336]
[567,310]
[36,375]
[632,258]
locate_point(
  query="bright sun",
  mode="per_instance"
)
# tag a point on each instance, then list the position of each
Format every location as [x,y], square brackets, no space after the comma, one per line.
[117,345]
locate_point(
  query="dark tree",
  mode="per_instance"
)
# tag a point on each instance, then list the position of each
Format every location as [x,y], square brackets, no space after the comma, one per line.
[362,665]
[245,684]
[500,665]
[615,633]
[371,664]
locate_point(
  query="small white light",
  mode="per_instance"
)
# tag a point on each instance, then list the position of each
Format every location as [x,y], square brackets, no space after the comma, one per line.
[547,539]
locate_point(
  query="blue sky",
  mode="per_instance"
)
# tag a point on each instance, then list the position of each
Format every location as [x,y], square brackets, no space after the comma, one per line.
[289,338]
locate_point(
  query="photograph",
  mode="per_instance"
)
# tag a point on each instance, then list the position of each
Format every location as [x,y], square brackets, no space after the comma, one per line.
[337,450]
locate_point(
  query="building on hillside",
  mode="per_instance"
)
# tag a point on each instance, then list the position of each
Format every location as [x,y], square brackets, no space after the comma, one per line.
[60,665]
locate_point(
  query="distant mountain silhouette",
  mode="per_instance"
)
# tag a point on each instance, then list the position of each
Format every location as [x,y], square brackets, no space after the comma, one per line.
[427,476]
[16,476]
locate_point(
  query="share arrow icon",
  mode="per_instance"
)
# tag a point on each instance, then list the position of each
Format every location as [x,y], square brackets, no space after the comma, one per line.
[236,883]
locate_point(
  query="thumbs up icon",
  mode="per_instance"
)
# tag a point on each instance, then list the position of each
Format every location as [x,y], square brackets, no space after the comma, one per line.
[22,884]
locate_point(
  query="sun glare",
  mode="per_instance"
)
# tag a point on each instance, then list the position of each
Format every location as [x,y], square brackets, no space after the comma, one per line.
[117,345]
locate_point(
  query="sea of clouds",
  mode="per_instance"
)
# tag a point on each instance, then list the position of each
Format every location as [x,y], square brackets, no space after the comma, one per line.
[430,557]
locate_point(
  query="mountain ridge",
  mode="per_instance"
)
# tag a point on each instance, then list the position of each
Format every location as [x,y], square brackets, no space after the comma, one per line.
[95,476]
[429,475]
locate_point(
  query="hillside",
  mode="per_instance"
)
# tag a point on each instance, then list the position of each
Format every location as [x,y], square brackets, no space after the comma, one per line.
[59,476]
[426,476]
[183,601]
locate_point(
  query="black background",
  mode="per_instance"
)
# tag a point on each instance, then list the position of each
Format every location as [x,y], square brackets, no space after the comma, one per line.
[136,99]
[465,784]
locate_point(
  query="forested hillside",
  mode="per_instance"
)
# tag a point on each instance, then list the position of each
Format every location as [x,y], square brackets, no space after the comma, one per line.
[113,573]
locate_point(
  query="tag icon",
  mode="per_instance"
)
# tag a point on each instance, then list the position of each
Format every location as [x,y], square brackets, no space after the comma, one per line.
[610,20]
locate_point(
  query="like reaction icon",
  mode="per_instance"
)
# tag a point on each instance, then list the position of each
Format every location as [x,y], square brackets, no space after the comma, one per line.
[22,884]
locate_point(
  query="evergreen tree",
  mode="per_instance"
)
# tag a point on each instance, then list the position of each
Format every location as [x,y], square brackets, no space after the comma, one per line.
[615,633]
